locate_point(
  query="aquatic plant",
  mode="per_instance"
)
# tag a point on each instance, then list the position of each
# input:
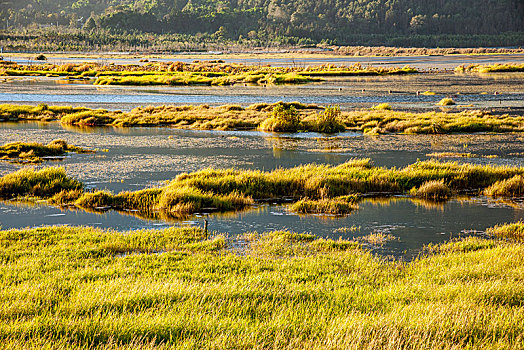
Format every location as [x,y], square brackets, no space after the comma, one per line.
[36,183]
[328,121]
[493,68]
[334,206]
[512,231]
[282,119]
[382,107]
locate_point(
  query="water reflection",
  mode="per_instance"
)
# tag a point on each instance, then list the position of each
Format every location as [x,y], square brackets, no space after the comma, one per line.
[413,222]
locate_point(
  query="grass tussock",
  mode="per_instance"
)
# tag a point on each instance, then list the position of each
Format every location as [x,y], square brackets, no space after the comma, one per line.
[328,121]
[446,102]
[158,289]
[513,187]
[43,183]
[435,190]
[282,119]
[382,107]
[32,152]
[336,206]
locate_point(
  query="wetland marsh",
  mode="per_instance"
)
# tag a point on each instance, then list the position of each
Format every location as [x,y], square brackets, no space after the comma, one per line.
[110,251]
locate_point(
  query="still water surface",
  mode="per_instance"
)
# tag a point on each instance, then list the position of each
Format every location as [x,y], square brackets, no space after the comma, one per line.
[131,159]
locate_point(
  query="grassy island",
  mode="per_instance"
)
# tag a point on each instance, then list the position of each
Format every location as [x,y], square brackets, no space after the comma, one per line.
[313,188]
[280,116]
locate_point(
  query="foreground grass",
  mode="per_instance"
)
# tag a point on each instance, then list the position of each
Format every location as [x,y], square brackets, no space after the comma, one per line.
[32,152]
[64,287]
[281,116]
[315,188]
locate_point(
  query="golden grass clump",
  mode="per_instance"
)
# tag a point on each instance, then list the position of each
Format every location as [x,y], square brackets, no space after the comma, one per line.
[512,231]
[36,183]
[435,190]
[328,121]
[382,107]
[282,119]
[513,187]
[446,102]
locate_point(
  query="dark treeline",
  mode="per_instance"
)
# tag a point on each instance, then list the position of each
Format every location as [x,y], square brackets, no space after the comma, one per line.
[343,22]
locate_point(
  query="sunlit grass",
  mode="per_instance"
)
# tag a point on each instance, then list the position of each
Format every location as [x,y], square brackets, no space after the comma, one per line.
[32,152]
[88,288]
[493,68]
[316,188]
[308,117]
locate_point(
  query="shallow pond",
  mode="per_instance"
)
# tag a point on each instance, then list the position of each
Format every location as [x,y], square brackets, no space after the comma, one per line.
[131,159]
[410,224]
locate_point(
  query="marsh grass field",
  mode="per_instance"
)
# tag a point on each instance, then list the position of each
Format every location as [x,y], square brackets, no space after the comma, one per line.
[189,287]
[68,288]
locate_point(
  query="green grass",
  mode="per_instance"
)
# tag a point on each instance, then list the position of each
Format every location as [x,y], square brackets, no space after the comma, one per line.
[68,288]
[32,152]
[512,231]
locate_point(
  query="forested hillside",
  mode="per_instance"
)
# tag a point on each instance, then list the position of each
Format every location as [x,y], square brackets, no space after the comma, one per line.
[337,21]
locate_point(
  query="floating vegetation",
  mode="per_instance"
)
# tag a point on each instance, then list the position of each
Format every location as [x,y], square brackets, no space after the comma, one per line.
[139,289]
[377,239]
[459,155]
[23,152]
